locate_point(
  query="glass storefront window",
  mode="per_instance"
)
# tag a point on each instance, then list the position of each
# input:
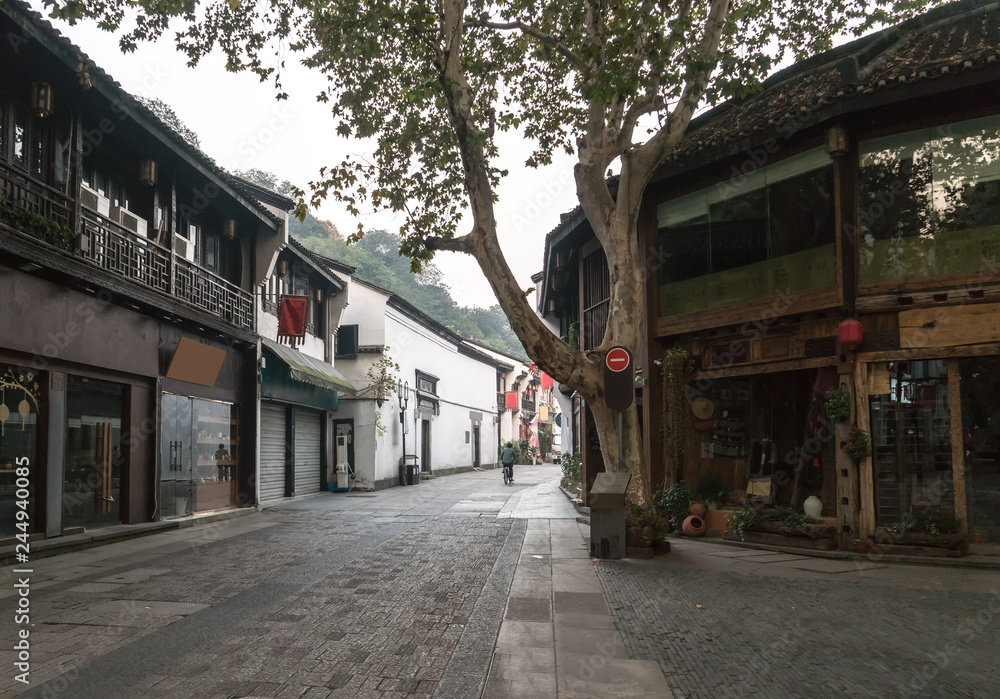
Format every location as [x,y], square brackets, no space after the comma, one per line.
[930,202]
[200,453]
[20,400]
[981,438]
[751,237]
[94,457]
[911,442]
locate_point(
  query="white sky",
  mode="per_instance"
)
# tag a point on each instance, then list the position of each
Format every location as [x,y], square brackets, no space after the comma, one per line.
[242,126]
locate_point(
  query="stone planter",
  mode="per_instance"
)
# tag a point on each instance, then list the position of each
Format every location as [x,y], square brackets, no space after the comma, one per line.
[919,544]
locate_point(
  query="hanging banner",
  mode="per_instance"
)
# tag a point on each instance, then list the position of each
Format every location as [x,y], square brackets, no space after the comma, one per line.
[292,315]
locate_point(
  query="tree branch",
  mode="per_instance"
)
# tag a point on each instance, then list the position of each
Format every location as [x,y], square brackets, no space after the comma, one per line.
[649,156]
[464,243]
[547,39]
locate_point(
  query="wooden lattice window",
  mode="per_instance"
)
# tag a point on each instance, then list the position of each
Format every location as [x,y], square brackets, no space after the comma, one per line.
[596,299]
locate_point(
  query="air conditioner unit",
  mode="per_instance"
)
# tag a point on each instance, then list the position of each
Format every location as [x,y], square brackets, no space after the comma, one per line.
[94,201]
[184,248]
[126,219]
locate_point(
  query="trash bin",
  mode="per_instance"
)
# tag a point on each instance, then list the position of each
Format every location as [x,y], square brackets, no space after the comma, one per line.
[412,474]
[607,515]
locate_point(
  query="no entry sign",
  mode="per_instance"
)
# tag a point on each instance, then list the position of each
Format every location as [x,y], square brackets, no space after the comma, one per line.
[619,389]
[618,359]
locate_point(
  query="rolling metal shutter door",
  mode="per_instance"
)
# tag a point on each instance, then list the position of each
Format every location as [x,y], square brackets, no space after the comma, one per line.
[272,452]
[308,452]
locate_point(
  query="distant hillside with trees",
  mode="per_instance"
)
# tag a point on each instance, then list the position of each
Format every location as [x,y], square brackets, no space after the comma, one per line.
[377,261]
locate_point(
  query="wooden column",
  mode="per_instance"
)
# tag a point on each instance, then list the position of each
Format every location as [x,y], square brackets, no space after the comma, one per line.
[957,444]
[866,477]
[847,470]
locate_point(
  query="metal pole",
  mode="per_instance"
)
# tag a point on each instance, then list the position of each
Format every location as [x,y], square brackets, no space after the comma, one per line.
[621,445]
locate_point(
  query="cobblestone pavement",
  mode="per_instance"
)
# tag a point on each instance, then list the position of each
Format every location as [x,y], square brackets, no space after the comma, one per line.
[388,594]
[728,622]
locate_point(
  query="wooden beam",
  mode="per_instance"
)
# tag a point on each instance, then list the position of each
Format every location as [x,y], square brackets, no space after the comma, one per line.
[957,444]
[948,327]
[768,368]
[866,477]
[984,350]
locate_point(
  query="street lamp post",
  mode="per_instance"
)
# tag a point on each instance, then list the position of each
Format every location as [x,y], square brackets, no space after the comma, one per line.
[402,393]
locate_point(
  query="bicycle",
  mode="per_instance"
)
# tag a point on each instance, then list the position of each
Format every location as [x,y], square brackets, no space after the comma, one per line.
[508,474]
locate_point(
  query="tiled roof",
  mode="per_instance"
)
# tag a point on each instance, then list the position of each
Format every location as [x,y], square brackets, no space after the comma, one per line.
[71,51]
[961,36]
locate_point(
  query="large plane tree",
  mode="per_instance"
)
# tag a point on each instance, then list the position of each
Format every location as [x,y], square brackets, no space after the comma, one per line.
[431,84]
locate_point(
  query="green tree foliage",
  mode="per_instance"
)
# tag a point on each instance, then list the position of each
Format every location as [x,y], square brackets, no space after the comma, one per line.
[168,116]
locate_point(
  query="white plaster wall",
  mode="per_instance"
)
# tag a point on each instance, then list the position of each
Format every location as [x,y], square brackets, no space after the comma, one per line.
[366,309]
[464,384]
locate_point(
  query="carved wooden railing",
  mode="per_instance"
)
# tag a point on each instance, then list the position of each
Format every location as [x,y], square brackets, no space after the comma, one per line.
[118,250]
[209,291]
[111,247]
[25,192]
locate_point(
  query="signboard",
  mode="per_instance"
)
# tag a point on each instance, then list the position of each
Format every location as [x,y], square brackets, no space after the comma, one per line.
[619,386]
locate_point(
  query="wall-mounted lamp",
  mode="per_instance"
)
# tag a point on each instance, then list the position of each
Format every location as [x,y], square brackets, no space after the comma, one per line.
[836,141]
[229,229]
[41,99]
[147,172]
[552,305]
[318,295]
[283,268]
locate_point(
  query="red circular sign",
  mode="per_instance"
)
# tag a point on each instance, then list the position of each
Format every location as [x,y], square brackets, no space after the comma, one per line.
[617,359]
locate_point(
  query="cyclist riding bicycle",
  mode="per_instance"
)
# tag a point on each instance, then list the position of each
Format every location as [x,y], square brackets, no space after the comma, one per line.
[507,457]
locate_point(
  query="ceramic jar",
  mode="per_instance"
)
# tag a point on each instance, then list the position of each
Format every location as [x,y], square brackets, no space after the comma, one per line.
[813,507]
[693,526]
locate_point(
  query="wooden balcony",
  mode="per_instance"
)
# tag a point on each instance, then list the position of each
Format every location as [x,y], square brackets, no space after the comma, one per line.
[105,244]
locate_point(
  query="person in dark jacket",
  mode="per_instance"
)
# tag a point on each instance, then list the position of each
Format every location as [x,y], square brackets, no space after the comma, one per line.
[507,457]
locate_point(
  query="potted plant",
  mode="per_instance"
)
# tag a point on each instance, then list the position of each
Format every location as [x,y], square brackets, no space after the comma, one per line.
[675,501]
[711,491]
[838,404]
[858,444]
[644,528]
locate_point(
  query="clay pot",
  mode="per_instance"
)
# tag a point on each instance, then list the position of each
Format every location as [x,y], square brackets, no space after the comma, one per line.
[813,507]
[861,547]
[697,508]
[693,526]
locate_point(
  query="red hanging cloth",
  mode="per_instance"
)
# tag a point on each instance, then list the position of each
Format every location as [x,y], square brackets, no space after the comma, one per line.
[292,315]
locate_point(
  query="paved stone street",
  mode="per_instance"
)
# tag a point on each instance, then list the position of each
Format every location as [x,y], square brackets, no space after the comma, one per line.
[461,587]
[723,621]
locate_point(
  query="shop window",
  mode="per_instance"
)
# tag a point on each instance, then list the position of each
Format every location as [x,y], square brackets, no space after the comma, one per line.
[3,130]
[980,386]
[20,397]
[200,453]
[911,441]
[750,237]
[930,202]
[94,456]
[763,439]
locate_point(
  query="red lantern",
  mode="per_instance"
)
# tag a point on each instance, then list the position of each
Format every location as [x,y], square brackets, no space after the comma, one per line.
[512,403]
[850,333]
[546,380]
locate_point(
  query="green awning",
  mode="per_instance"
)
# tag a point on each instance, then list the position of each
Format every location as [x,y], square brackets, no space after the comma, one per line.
[302,367]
